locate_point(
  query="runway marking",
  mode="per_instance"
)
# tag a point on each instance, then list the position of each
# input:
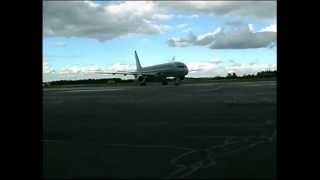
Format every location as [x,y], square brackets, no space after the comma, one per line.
[231,145]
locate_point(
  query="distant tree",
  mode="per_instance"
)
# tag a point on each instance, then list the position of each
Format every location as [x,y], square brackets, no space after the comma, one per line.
[234,75]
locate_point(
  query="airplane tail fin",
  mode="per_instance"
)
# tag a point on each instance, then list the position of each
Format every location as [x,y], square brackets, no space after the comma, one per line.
[137,62]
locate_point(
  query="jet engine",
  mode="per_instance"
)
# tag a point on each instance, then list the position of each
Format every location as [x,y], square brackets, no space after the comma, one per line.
[141,80]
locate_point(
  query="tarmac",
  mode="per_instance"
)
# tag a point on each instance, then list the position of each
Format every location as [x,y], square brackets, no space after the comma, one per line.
[206,130]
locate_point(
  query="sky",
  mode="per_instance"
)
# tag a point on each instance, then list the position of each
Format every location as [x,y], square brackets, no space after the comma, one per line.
[213,38]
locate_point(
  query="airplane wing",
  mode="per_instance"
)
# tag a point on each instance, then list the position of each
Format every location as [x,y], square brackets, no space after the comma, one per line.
[114,73]
[144,73]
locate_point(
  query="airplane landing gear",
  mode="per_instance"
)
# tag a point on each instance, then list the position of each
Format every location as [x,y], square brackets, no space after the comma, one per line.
[177,81]
[164,81]
[142,81]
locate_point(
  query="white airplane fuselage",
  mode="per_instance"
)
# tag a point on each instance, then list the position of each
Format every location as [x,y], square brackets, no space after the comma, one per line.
[172,69]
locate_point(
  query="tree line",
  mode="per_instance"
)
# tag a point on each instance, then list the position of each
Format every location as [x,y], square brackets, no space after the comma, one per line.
[262,74]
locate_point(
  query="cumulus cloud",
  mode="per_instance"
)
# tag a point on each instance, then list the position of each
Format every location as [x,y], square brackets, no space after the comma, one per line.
[271,28]
[234,22]
[47,69]
[101,22]
[251,68]
[71,70]
[162,17]
[77,69]
[238,38]
[74,72]
[191,39]
[181,26]
[193,16]
[111,20]
[121,67]
[243,39]
[178,42]
[203,67]
[187,30]
[257,9]
[48,73]
[184,28]
[206,69]
[60,44]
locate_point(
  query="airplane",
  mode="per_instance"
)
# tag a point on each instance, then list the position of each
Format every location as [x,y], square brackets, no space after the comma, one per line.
[177,70]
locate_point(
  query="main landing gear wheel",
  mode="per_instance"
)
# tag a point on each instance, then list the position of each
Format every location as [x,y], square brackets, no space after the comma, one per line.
[164,82]
[177,81]
[143,82]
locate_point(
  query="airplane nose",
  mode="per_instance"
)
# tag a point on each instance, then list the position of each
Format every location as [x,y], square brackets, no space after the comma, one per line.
[186,71]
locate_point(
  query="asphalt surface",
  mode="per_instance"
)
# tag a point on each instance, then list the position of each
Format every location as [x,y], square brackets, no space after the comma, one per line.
[209,130]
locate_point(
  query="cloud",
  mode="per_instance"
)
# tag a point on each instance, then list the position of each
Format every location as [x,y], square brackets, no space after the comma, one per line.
[205,69]
[178,42]
[243,38]
[60,44]
[256,9]
[182,26]
[207,38]
[162,17]
[47,69]
[216,61]
[251,68]
[271,28]
[239,38]
[92,4]
[69,56]
[191,39]
[187,30]
[236,65]
[121,67]
[78,69]
[48,72]
[71,70]
[106,21]
[194,16]
[74,72]
[234,22]
[202,66]
[101,22]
